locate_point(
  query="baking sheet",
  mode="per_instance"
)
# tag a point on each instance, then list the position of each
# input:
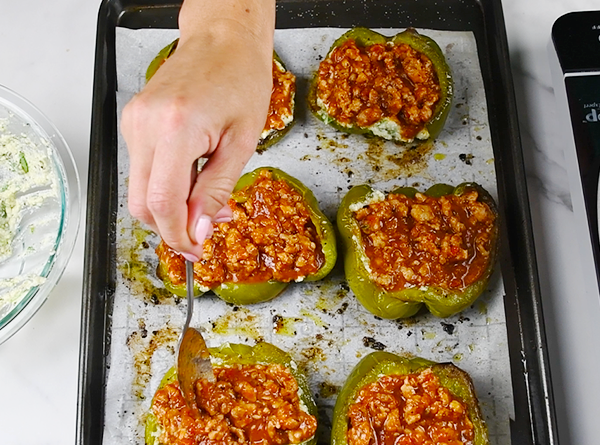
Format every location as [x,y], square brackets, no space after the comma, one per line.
[321,324]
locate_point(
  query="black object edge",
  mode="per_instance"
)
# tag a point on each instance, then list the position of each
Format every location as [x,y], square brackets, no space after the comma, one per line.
[533,387]
[575,36]
[98,280]
[535,421]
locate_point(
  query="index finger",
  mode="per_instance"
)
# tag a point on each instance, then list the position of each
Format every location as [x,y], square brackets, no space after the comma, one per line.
[169,189]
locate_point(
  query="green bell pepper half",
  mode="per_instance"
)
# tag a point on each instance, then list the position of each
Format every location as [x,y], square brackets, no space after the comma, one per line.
[365,37]
[406,302]
[234,293]
[250,293]
[263,143]
[160,58]
[234,353]
[377,364]
[277,135]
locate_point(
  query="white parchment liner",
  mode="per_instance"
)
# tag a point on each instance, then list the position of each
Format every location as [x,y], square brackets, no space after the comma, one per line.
[320,324]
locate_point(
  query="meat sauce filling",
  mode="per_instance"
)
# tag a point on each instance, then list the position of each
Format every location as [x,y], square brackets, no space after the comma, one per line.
[281,107]
[248,404]
[411,409]
[362,85]
[426,241]
[271,237]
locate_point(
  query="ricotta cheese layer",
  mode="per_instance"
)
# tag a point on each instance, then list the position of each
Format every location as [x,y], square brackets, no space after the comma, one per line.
[27,181]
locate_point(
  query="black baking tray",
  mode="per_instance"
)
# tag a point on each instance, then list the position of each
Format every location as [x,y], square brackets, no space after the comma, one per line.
[534,421]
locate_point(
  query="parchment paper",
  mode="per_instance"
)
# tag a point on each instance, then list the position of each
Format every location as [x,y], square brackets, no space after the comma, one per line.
[321,324]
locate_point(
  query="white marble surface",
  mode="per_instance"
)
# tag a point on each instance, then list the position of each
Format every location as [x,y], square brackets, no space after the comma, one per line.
[48,57]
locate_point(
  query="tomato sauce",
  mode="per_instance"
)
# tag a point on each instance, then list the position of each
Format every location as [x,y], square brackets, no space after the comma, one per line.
[411,409]
[362,85]
[281,107]
[427,241]
[248,404]
[271,237]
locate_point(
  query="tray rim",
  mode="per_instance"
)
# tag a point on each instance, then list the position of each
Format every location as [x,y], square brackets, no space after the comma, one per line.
[535,418]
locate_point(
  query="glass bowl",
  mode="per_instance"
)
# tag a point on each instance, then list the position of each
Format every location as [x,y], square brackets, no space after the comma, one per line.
[39,210]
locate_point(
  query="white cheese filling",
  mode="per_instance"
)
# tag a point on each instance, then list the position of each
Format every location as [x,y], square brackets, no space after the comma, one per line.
[27,181]
[371,198]
[385,128]
[287,118]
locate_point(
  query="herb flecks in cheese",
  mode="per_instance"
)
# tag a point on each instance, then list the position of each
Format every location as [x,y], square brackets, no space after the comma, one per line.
[27,181]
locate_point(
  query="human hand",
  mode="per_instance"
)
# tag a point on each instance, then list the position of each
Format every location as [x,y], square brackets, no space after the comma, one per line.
[209,99]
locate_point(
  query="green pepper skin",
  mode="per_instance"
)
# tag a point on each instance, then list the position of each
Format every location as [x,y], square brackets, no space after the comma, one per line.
[233,353]
[263,143]
[277,135]
[247,293]
[406,302]
[177,289]
[366,37]
[250,293]
[160,58]
[234,293]
[379,363]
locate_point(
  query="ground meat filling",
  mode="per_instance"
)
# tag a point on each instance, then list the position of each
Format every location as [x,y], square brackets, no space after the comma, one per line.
[425,241]
[411,409]
[281,107]
[362,85]
[271,237]
[248,404]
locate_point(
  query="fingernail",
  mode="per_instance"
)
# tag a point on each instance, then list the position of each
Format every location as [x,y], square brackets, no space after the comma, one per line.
[223,215]
[191,257]
[204,229]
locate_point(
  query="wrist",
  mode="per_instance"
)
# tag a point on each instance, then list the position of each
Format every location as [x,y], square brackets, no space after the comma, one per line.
[219,22]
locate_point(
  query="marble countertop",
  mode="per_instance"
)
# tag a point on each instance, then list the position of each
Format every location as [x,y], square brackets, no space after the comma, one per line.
[48,57]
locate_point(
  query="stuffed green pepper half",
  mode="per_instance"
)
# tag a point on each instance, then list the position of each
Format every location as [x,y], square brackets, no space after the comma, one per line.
[277,235]
[280,117]
[259,396]
[398,88]
[389,399]
[408,249]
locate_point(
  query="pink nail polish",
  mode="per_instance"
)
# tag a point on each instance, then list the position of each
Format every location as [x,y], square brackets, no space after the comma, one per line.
[190,257]
[204,229]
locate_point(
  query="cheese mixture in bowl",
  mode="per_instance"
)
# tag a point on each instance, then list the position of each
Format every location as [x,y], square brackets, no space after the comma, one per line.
[39,210]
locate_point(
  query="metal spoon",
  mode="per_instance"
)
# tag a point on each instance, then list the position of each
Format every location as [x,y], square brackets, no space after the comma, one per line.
[193,359]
